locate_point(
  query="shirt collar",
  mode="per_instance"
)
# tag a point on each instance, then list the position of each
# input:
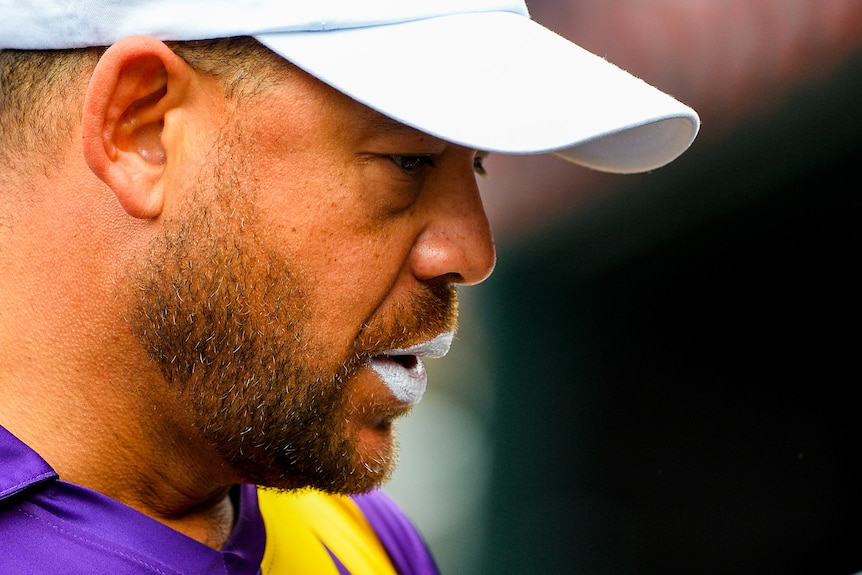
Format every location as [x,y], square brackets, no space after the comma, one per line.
[20,466]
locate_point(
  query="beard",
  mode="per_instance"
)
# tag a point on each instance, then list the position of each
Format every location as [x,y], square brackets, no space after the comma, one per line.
[230,326]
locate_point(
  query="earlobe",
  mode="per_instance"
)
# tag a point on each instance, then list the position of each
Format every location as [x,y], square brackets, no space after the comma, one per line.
[135,85]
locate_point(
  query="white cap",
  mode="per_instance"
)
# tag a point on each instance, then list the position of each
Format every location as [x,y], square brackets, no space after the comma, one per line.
[478,73]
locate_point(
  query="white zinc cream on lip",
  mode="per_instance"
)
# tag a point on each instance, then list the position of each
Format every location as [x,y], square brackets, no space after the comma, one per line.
[402,370]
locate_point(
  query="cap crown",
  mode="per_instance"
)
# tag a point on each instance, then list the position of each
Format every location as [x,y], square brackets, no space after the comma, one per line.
[56,24]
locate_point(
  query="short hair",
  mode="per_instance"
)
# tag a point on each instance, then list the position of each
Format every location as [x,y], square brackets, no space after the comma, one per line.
[37,91]
[42,90]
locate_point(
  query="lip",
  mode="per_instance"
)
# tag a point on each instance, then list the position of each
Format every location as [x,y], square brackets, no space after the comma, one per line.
[403,371]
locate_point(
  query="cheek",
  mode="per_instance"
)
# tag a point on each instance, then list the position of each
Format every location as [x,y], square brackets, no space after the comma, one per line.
[317,216]
[331,229]
[354,277]
[352,270]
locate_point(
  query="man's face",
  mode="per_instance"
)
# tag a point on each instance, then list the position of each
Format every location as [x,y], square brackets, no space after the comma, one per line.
[320,236]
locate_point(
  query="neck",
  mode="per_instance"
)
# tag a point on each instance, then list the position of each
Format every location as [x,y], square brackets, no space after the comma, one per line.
[87,433]
[75,385]
[90,448]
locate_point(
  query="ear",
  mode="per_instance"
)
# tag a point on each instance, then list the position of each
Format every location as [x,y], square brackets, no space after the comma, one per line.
[135,85]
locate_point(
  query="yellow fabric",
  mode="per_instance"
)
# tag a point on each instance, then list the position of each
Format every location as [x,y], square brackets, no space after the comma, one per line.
[298,525]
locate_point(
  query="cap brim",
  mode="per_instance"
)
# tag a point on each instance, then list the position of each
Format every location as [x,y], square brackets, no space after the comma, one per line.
[499,82]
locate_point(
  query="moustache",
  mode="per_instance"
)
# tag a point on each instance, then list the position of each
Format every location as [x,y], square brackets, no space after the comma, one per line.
[427,314]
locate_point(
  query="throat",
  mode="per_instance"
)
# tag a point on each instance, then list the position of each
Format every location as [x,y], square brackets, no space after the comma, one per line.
[211,523]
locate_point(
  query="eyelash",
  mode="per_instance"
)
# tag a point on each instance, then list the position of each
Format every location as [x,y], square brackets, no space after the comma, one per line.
[412,164]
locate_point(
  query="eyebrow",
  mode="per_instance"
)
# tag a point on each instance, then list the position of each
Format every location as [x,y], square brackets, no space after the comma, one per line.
[370,118]
[375,120]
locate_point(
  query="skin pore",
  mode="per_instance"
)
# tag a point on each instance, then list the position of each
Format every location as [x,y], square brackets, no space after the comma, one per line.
[228,268]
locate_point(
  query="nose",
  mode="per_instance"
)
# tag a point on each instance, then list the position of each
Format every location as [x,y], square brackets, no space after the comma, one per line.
[457,241]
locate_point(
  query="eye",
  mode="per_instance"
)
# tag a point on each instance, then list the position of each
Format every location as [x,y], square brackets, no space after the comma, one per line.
[413,165]
[479,165]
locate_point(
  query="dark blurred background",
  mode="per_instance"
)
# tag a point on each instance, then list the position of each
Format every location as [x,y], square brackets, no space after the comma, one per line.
[658,377]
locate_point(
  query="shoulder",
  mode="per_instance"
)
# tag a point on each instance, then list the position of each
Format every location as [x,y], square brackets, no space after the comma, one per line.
[323,533]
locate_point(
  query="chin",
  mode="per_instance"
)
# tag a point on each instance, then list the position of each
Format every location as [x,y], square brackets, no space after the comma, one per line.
[377,444]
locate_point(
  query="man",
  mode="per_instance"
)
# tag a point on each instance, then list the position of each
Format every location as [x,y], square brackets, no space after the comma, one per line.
[230,233]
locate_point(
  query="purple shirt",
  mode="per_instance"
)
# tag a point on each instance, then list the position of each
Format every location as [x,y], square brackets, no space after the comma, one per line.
[48,526]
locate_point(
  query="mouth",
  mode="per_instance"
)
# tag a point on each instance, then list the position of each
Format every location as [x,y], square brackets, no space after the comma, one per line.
[403,371]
